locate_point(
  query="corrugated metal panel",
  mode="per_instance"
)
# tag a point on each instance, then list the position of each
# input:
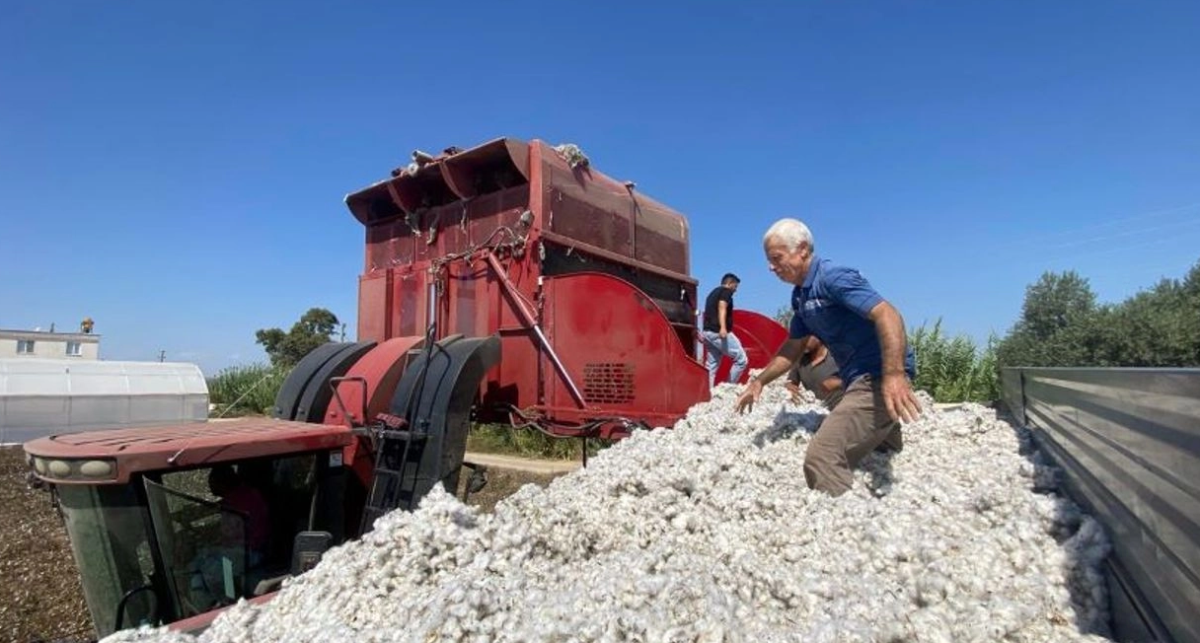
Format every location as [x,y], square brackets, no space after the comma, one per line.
[43,396]
[1010,382]
[1129,443]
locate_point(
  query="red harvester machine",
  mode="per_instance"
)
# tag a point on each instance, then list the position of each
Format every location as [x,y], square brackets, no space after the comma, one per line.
[511,282]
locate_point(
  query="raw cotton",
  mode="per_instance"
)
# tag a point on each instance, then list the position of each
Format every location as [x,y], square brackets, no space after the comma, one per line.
[708,533]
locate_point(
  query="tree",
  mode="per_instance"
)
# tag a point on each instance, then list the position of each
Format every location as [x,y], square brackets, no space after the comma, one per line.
[315,327]
[1061,325]
[1056,302]
[1050,332]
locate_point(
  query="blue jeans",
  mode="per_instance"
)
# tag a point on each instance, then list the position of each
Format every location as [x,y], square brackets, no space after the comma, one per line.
[716,348]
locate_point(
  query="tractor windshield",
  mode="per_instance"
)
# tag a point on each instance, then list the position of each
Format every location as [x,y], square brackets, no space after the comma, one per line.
[203,547]
[171,545]
[107,527]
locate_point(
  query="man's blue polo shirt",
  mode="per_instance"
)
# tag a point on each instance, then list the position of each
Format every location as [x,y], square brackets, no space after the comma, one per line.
[835,304]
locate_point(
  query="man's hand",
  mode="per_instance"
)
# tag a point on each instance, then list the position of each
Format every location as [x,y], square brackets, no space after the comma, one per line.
[794,389]
[899,399]
[746,400]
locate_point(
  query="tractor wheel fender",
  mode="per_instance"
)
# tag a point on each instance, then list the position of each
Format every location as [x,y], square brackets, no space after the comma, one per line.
[435,396]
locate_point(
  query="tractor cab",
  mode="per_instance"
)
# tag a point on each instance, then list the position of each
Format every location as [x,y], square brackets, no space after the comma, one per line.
[168,523]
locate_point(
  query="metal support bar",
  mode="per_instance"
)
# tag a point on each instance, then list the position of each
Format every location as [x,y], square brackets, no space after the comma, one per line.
[529,319]
[333,384]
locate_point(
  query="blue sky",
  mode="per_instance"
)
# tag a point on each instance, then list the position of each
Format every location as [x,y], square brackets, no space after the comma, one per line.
[176,170]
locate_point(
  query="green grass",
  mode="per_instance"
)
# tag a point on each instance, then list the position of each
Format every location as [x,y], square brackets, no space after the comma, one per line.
[954,369]
[528,443]
[245,390]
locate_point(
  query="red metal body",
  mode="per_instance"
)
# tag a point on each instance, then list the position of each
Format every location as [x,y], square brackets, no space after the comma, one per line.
[761,337]
[366,391]
[585,280]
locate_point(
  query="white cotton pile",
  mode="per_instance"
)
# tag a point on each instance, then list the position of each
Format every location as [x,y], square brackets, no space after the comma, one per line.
[709,533]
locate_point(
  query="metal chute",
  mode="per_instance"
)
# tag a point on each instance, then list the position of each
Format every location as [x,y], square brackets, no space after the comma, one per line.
[491,167]
[432,181]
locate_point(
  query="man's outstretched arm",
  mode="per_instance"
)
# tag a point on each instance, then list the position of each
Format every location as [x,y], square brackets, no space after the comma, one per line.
[897,391]
[788,353]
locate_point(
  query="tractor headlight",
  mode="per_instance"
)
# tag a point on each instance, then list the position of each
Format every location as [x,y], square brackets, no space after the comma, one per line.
[98,469]
[75,470]
[59,468]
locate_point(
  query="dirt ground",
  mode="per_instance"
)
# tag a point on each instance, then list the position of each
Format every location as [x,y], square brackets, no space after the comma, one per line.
[41,599]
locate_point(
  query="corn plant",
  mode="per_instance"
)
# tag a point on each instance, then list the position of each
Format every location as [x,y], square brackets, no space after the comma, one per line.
[954,369]
[245,390]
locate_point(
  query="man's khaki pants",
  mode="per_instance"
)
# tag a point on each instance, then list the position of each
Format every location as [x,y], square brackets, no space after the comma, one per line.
[855,427]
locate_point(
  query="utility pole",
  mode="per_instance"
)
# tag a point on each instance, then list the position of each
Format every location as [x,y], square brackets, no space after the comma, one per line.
[343,333]
[162,355]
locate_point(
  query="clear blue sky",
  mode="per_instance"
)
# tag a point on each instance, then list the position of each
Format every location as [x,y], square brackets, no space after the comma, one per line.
[176,170]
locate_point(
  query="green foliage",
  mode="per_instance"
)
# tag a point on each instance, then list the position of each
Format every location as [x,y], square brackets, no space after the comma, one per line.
[1061,325]
[245,390]
[953,369]
[528,443]
[315,327]
[784,316]
[1055,310]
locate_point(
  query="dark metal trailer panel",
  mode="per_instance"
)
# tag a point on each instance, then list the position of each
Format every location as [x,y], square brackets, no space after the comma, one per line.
[1128,442]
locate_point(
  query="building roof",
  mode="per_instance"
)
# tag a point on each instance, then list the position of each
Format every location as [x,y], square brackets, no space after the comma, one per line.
[42,335]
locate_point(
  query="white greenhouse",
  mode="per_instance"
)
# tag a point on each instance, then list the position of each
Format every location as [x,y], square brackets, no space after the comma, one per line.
[40,397]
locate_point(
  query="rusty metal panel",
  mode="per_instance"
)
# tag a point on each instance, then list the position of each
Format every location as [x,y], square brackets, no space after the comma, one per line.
[488,211]
[389,244]
[372,306]
[1128,441]
[590,206]
[660,236]
[379,247]
[463,299]
[577,218]
[408,307]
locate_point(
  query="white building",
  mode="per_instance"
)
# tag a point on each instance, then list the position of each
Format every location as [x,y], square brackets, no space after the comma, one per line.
[36,343]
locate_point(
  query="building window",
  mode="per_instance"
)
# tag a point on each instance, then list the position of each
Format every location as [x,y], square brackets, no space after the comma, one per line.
[73,349]
[24,347]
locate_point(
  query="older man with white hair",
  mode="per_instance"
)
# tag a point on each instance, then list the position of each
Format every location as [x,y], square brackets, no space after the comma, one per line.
[866,336]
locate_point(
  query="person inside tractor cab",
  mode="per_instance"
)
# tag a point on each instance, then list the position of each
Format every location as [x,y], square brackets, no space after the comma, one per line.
[250,524]
[244,527]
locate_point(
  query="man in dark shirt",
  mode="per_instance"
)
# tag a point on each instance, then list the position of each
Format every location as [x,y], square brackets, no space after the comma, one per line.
[866,336]
[717,331]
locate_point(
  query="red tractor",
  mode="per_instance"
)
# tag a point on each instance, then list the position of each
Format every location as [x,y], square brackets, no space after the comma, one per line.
[511,282]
